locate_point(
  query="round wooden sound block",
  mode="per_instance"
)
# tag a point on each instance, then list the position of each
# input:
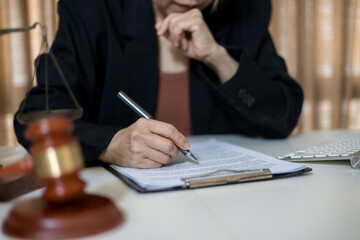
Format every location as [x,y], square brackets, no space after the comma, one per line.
[38,219]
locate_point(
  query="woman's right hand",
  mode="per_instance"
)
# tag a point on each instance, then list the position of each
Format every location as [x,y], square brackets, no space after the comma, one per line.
[146,143]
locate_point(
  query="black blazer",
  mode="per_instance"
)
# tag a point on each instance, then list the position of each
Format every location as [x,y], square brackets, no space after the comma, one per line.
[104,46]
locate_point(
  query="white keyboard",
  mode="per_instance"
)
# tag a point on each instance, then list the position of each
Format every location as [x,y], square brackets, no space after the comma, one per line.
[346,147]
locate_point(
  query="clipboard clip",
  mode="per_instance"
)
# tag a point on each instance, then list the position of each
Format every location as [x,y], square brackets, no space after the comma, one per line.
[232,176]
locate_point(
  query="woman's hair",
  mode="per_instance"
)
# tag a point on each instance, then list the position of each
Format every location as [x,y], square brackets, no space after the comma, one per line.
[215,5]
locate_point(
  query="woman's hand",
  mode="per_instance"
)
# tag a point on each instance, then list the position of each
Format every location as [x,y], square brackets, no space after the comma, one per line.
[146,143]
[188,32]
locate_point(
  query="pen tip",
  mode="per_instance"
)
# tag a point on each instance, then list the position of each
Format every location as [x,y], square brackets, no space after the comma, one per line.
[192,157]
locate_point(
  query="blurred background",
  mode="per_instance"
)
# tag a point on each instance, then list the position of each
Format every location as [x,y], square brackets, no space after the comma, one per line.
[319,39]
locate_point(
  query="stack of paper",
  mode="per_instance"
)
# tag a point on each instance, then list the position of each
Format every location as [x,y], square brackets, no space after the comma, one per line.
[213,155]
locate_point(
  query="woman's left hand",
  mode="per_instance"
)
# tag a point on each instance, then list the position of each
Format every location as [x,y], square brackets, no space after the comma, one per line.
[189,32]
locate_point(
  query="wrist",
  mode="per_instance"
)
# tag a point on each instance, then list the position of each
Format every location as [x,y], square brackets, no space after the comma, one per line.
[222,63]
[108,154]
[104,155]
[215,56]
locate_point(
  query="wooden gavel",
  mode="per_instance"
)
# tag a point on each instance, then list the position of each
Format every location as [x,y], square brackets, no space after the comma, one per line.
[56,159]
[64,210]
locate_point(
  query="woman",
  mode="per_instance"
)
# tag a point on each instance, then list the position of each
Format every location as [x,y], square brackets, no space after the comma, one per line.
[199,66]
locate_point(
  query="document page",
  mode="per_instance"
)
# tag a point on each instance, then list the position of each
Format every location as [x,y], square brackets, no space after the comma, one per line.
[213,155]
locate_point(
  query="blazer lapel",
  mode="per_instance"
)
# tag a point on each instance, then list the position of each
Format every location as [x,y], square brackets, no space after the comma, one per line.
[141,53]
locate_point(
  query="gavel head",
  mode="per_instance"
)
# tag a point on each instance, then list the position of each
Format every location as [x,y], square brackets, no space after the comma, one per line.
[57,158]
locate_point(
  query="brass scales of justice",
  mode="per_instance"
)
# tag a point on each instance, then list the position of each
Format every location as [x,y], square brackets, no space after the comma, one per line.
[64,210]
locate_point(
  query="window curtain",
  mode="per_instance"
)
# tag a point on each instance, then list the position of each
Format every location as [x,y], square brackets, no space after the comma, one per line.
[319,39]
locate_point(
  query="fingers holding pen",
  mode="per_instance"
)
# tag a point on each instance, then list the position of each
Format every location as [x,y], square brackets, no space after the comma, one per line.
[145,144]
[167,137]
[157,141]
[146,148]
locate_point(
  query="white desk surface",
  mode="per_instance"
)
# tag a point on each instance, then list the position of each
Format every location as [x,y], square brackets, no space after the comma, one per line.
[322,205]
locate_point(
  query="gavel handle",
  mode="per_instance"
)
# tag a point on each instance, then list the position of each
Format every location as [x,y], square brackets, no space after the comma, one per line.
[21,167]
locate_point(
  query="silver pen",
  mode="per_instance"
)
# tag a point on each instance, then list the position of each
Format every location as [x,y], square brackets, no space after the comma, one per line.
[142,113]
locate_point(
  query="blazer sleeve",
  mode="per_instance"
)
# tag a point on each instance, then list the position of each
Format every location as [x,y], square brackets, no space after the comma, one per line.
[75,51]
[261,98]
